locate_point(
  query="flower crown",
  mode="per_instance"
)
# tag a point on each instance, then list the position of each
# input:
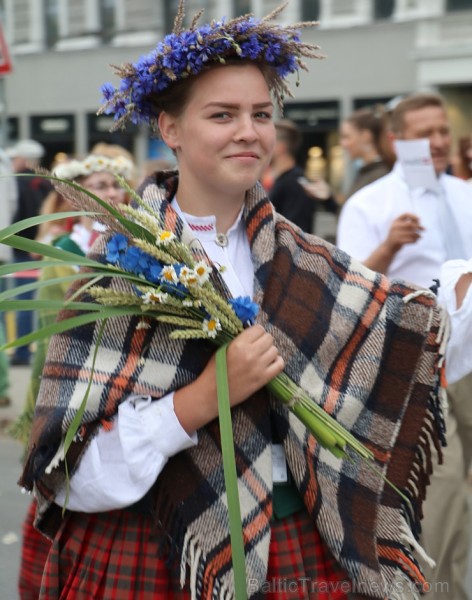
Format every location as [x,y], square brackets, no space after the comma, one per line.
[94,163]
[188,52]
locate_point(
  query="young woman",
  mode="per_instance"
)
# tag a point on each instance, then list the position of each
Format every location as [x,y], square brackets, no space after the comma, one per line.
[364,137]
[146,511]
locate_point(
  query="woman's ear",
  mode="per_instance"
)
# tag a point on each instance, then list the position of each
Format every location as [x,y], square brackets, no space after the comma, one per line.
[169,130]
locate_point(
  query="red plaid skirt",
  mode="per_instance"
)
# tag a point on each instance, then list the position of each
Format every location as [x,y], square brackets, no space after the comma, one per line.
[34,553]
[114,555]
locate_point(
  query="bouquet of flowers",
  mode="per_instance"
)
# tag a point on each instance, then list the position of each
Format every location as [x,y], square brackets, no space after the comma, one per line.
[174,284]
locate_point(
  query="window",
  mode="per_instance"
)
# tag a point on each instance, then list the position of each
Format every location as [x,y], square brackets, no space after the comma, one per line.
[310,10]
[51,16]
[108,18]
[241,7]
[452,5]
[383,9]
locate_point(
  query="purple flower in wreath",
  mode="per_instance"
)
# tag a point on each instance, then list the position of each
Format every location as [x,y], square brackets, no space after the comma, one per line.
[108,90]
[251,48]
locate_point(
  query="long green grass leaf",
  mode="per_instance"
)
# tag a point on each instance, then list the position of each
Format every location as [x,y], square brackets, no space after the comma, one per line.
[133,228]
[70,323]
[44,283]
[64,256]
[38,220]
[231,478]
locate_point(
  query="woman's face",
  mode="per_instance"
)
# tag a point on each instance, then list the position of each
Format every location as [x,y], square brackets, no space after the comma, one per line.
[351,139]
[225,135]
[105,186]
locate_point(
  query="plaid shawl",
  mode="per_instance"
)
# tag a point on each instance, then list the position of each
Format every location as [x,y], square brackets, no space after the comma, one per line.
[365,348]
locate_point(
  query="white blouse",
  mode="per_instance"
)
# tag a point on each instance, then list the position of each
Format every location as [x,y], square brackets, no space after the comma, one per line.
[120,466]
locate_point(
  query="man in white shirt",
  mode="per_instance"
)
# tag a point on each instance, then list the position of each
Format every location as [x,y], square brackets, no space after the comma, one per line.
[409,234]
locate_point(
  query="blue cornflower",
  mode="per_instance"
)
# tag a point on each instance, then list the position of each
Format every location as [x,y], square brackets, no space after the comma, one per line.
[251,48]
[153,272]
[135,260]
[272,53]
[290,65]
[244,308]
[108,90]
[116,246]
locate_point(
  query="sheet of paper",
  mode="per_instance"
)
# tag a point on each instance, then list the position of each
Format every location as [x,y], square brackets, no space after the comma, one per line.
[417,164]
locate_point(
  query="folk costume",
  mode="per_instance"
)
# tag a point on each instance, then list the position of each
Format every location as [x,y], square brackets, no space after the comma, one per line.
[367,349]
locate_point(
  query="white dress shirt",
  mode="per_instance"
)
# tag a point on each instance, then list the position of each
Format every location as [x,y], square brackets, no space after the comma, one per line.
[366,218]
[120,466]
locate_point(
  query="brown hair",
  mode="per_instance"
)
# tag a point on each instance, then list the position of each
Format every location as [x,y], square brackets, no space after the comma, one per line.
[464,158]
[375,121]
[411,103]
[289,133]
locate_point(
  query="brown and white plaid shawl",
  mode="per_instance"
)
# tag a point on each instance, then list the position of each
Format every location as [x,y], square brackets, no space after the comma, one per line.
[365,348]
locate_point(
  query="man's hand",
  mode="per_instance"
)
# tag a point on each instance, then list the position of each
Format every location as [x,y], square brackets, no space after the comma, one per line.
[405,229]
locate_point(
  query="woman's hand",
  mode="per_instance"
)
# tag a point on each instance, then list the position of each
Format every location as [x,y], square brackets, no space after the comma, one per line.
[252,361]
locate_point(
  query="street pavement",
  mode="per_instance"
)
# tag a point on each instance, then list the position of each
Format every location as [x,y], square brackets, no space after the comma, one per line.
[14,503]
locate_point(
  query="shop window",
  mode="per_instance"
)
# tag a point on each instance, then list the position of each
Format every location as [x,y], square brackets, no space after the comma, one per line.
[453,5]
[383,9]
[170,11]
[108,18]
[241,7]
[310,10]
[51,22]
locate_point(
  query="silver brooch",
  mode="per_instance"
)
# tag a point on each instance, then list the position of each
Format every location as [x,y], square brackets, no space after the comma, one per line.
[221,240]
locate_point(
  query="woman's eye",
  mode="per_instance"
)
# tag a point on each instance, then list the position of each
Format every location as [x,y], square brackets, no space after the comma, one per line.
[221,115]
[263,115]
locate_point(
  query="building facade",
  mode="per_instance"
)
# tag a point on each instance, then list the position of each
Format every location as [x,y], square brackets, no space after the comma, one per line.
[375,50]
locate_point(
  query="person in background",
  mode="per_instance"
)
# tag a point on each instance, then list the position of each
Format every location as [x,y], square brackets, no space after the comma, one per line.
[287,192]
[97,173]
[117,151]
[8,199]
[462,162]
[409,234]
[25,157]
[153,165]
[364,137]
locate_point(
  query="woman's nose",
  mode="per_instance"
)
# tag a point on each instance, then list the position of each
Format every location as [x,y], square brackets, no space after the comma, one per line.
[246,130]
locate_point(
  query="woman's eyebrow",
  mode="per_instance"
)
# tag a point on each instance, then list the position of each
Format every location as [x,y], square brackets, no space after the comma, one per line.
[235,106]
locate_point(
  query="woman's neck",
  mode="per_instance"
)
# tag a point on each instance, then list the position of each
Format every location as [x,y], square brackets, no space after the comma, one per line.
[370,155]
[225,208]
